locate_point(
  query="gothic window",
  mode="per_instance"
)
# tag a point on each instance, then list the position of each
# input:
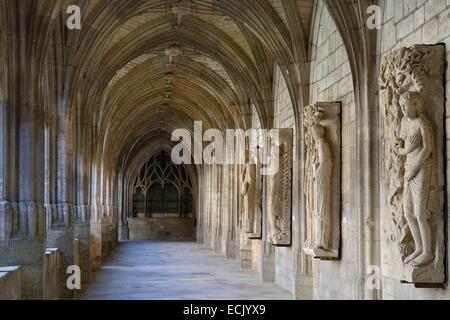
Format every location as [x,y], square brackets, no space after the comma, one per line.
[163,188]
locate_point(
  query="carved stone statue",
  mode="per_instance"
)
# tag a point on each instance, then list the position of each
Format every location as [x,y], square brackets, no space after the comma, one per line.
[416,138]
[248,191]
[309,188]
[322,189]
[280,190]
[412,101]
[322,180]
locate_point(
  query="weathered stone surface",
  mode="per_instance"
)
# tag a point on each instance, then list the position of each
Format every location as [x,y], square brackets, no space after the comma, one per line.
[54,273]
[413,103]
[82,112]
[10,283]
[322,182]
[168,229]
[82,249]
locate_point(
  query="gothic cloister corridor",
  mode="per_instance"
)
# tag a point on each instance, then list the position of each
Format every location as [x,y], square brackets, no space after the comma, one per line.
[176,271]
[224,149]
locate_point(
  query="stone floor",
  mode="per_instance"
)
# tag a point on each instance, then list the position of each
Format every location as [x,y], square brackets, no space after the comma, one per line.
[176,271]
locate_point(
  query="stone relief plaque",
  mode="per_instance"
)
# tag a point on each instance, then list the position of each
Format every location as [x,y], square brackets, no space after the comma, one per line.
[280,190]
[413,109]
[322,185]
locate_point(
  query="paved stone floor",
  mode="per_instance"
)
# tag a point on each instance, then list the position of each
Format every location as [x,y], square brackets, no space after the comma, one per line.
[176,271]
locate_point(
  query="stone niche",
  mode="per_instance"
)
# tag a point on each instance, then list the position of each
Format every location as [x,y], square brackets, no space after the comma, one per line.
[322,180]
[413,111]
[280,189]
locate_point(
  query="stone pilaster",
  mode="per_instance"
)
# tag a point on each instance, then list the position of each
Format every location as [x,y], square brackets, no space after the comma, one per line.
[245,253]
[268,262]
[82,234]
[107,231]
[96,238]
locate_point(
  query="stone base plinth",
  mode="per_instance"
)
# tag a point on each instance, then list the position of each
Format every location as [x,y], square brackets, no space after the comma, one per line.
[246,259]
[217,245]
[230,250]
[428,274]
[10,283]
[322,254]
[124,232]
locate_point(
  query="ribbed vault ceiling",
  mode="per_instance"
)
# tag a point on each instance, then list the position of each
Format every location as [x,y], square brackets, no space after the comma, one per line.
[151,66]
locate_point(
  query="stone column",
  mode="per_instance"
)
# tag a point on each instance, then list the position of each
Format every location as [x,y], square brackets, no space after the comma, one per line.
[123,231]
[200,214]
[218,210]
[107,230]
[22,219]
[22,239]
[61,222]
[96,237]
[208,207]
[82,235]
[230,252]
[60,234]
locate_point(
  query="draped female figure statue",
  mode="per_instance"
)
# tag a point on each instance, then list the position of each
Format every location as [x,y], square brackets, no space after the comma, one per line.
[322,171]
[248,190]
[417,146]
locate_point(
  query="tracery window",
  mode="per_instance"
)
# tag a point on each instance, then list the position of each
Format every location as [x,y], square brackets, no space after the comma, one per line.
[163,188]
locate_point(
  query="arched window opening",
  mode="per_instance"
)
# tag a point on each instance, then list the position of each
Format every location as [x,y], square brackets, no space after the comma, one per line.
[163,189]
[186,202]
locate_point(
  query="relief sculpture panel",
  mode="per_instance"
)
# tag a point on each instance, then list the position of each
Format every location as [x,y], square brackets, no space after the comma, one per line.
[413,109]
[280,189]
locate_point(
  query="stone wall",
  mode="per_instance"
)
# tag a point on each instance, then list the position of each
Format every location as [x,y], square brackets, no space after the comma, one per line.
[167,229]
[256,244]
[332,78]
[405,23]
[10,283]
[331,81]
[284,118]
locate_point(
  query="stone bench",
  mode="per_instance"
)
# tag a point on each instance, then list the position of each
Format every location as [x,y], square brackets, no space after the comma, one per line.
[51,274]
[10,283]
